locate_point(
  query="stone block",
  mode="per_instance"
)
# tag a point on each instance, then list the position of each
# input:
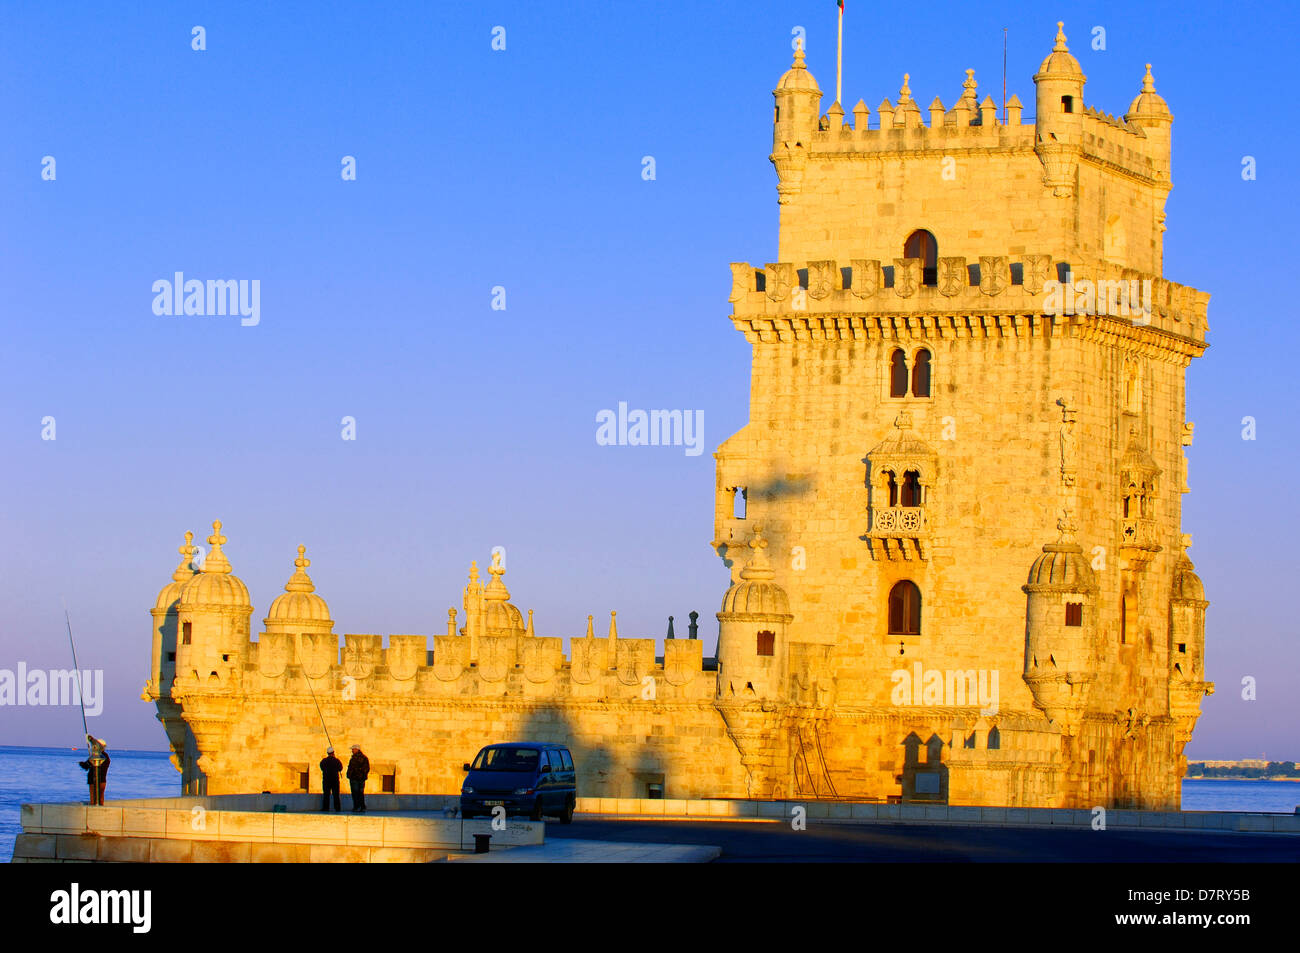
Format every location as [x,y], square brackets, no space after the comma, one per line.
[63,818]
[774,809]
[674,807]
[168,851]
[29,816]
[335,854]
[418,832]
[123,850]
[32,846]
[863,812]
[196,823]
[367,831]
[143,822]
[76,847]
[280,853]
[243,826]
[106,821]
[221,852]
[309,829]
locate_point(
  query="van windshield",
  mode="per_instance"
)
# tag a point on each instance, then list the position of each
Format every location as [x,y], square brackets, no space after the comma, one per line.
[506,759]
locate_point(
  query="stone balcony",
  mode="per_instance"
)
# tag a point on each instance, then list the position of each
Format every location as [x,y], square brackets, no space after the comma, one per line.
[898,532]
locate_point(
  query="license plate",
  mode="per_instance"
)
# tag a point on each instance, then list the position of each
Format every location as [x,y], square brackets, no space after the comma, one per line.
[494,803]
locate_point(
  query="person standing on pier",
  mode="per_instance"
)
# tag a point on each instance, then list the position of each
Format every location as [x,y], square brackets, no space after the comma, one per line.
[330,769]
[358,771]
[96,766]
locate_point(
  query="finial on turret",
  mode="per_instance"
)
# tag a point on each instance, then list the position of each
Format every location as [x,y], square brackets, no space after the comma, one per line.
[529,631]
[1148,81]
[1060,46]
[591,633]
[216,559]
[905,93]
[970,85]
[300,581]
[798,57]
[473,570]
[758,567]
[613,624]
[1067,526]
[670,629]
[186,569]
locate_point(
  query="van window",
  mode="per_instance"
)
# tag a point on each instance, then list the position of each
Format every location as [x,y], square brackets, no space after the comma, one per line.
[568,760]
[507,759]
[553,759]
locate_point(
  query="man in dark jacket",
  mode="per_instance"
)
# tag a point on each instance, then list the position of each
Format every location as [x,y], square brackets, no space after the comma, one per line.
[96,767]
[358,771]
[330,769]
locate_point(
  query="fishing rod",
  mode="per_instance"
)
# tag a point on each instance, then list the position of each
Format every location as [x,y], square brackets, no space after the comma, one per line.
[81,698]
[319,715]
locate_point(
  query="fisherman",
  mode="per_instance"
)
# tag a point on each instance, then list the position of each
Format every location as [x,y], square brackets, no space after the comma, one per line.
[96,766]
[330,769]
[358,771]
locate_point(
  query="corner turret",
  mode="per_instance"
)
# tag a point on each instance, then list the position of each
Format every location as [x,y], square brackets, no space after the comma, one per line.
[214,614]
[1058,116]
[1060,625]
[798,106]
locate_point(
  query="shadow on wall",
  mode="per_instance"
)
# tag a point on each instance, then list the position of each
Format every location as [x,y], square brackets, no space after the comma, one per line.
[924,782]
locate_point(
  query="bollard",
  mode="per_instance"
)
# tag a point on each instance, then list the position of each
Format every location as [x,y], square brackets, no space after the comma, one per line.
[481,843]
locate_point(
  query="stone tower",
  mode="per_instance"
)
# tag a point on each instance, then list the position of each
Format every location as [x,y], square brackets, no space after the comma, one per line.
[967,335]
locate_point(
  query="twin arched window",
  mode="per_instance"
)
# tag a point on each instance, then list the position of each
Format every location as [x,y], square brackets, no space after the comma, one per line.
[919,378]
[905,609]
[908,493]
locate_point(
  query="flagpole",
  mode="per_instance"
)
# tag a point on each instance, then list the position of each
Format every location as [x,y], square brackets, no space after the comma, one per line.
[839,56]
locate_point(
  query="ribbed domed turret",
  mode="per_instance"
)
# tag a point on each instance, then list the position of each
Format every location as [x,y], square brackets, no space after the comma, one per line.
[171,592]
[298,605]
[1187,585]
[1149,105]
[1061,564]
[756,593]
[1060,63]
[215,584]
[797,76]
[499,616]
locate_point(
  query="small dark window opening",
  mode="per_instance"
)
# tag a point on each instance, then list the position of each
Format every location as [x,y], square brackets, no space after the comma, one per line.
[969,742]
[893,490]
[186,629]
[897,374]
[1182,647]
[766,643]
[389,784]
[302,780]
[995,739]
[1067,104]
[654,791]
[905,609]
[225,658]
[911,495]
[739,502]
[171,656]
[921,244]
[1074,613]
[921,374]
[777,116]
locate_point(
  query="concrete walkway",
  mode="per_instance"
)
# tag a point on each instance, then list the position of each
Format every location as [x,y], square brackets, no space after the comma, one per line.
[572,851]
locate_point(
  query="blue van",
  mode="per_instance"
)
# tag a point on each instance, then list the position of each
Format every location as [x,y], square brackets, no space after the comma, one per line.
[524,777]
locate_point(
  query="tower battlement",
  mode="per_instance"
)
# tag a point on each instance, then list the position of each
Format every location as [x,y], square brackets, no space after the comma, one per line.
[804,296]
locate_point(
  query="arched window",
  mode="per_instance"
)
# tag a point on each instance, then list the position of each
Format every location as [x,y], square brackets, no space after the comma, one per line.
[892,483]
[921,244]
[921,373]
[911,495]
[766,643]
[905,609]
[898,374]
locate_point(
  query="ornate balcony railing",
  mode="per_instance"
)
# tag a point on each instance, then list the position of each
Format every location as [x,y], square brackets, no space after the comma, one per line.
[899,532]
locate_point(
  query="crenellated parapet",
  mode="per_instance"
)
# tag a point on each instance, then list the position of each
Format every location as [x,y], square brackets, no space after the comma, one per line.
[793,300]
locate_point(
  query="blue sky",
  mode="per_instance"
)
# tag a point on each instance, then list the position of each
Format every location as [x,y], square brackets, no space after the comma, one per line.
[522,169]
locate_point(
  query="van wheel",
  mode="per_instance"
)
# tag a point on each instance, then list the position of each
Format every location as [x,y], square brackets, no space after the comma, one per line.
[537,810]
[566,816]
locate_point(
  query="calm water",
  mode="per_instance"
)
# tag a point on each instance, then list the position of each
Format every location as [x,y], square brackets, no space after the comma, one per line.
[51,774]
